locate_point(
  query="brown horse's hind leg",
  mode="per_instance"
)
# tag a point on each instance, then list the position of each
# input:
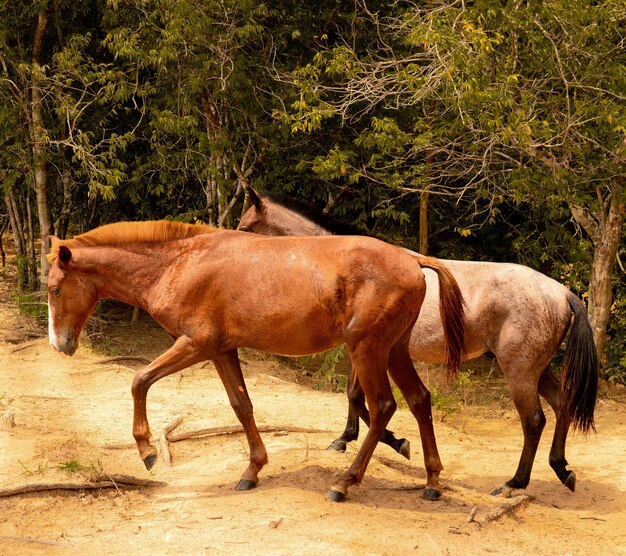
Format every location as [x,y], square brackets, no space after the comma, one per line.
[549,388]
[229,370]
[370,369]
[356,409]
[533,421]
[181,355]
[417,396]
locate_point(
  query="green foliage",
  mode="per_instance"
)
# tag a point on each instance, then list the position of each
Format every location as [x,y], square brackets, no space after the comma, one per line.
[327,373]
[73,466]
[32,305]
[446,403]
[451,399]
[70,466]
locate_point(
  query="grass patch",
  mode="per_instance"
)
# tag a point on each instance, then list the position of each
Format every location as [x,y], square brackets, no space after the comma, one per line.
[73,466]
[32,304]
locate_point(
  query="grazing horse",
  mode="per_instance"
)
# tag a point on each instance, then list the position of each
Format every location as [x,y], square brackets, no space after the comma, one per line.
[514,312]
[217,290]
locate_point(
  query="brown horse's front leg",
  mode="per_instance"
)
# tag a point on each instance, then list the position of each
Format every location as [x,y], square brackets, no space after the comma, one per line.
[229,369]
[181,355]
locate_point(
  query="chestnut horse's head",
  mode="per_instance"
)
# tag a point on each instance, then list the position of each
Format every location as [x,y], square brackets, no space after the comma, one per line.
[71,300]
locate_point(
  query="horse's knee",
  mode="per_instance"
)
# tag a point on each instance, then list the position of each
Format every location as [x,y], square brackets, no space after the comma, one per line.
[137,385]
[534,425]
[418,400]
[386,408]
[356,396]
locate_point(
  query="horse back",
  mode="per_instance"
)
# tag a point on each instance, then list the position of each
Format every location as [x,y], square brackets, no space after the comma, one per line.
[506,303]
[256,291]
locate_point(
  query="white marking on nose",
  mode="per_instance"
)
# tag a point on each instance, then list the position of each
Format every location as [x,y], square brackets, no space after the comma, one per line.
[52,337]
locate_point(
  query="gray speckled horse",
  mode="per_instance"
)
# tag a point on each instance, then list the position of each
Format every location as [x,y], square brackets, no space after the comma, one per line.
[514,312]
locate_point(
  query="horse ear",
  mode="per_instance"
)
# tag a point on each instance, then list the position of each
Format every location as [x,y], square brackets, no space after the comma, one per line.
[255,199]
[65,255]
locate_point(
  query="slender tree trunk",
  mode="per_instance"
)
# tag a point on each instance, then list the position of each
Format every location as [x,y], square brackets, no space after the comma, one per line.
[39,141]
[605,229]
[2,253]
[19,241]
[424,222]
[92,220]
[32,257]
[210,192]
[63,219]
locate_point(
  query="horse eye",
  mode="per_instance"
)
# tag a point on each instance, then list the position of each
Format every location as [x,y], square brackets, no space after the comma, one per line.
[244,229]
[55,291]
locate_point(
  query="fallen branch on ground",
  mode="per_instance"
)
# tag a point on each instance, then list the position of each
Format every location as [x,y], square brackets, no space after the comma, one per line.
[137,358]
[218,431]
[34,541]
[100,481]
[399,488]
[164,441]
[222,431]
[507,510]
[26,345]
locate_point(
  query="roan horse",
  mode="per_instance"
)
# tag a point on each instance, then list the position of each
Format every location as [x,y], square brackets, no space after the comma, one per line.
[514,312]
[217,290]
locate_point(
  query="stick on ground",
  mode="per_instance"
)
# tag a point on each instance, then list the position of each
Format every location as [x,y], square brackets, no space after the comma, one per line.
[217,431]
[101,481]
[164,441]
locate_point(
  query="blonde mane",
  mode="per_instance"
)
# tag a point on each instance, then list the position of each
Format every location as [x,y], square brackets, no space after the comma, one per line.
[119,233]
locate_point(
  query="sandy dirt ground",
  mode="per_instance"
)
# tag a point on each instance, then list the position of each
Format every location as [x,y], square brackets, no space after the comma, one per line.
[72,422]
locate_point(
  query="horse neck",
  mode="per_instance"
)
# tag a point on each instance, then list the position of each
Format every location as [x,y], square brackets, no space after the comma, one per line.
[295,224]
[122,273]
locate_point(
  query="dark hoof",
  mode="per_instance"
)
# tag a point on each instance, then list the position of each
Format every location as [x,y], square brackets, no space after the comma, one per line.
[504,491]
[405,449]
[149,461]
[335,495]
[246,484]
[570,482]
[337,446]
[431,494]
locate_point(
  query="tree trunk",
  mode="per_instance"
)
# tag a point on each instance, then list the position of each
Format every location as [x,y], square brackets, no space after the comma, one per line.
[19,241]
[39,141]
[605,230]
[2,253]
[63,219]
[30,247]
[424,222]
[210,192]
[604,255]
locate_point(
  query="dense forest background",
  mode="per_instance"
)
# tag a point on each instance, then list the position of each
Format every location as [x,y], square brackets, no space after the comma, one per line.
[486,130]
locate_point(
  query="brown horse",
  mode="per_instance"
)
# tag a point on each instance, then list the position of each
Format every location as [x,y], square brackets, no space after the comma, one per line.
[518,314]
[217,290]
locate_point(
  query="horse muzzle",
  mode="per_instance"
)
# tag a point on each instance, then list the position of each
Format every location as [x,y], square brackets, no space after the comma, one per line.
[63,344]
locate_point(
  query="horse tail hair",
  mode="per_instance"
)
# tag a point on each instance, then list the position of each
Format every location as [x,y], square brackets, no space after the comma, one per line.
[579,379]
[452,311]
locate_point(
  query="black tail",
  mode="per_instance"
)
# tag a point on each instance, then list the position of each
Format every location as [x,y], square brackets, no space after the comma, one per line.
[579,381]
